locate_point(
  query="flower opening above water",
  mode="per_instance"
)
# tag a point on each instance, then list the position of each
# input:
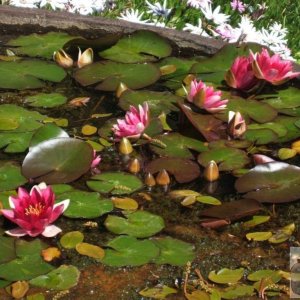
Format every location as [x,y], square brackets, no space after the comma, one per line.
[34,212]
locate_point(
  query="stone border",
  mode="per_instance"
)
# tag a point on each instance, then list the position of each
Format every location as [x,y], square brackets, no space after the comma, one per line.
[15,20]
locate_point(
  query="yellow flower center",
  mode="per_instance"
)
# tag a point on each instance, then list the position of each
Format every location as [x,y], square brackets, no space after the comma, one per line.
[34,210]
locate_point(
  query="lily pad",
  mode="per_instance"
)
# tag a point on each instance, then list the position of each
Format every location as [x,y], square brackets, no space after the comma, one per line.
[7,249]
[29,74]
[71,239]
[256,220]
[173,251]
[260,136]
[292,126]
[107,75]
[178,145]
[158,101]
[141,46]
[15,142]
[62,278]
[258,236]
[10,176]
[41,45]
[184,170]
[237,291]
[116,183]
[90,250]
[139,224]
[261,274]
[128,251]
[46,100]
[273,182]
[85,204]
[58,160]
[159,292]
[226,276]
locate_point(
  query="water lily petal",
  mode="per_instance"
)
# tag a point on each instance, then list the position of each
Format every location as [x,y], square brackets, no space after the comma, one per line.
[16,232]
[51,231]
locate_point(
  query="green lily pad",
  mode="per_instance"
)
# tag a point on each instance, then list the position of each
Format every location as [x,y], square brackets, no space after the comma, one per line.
[7,249]
[258,236]
[227,158]
[85,204]
[116,183]
[4,283]
[261,274]
[173,251]
[290,123]
[10,176]
[256,220]
[184,170]
[71,239]
[107,75]
[141,46]
[8,124]
[178,145]
[61,188]
[158,101]
[159,292]
[226,276]
[128,251]
[62,278]
[47,132]
[29,74]
[138,224]
[237,291]
[41,45]
[46,100]
[15,142]
[260,136]
[273,182]
[208,200]
[59,160]
[24,248]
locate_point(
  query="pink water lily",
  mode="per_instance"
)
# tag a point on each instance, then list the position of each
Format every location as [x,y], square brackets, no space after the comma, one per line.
[241,76]
[34,212]
[205,97]
[134,123]
[272,68]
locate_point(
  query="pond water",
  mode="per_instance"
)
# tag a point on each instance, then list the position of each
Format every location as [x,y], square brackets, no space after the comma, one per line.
[188,236]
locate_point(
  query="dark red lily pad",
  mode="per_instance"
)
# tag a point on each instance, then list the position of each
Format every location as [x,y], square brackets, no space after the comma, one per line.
[273,182]
[184,170]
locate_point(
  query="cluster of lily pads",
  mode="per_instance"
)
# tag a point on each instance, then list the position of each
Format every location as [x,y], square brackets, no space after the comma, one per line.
[164,97]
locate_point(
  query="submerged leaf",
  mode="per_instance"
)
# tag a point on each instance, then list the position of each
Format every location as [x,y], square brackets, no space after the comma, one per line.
[158,292]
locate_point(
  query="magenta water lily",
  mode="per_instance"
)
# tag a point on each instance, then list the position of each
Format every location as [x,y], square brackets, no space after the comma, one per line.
[34,212]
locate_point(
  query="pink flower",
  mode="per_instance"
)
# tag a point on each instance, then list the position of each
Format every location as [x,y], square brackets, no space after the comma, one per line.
[238,5]
[96,160]
[34,212]
[205,97]
[241,76]
[134,124]
[272,68]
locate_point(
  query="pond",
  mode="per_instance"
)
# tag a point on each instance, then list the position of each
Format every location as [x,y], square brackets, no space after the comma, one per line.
[174,177]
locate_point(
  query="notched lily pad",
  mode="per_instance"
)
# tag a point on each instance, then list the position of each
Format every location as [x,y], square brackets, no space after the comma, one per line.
[273,182]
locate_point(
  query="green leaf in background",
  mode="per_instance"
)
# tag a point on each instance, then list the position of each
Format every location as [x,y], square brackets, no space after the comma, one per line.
[70,239]
[62,278]
[41,45]
[7,249]
[260,136]
[107,75]
[173,251]
[158,292]
[292,126]
[259,236]
[226,276]
[116,183]
[29,74]
[128,251]
[46,100]
[141,46]
[208,200]
[61,188]
[139,224]
[58,160]
[4,283]
[10,176]
[237,291]
[256,220]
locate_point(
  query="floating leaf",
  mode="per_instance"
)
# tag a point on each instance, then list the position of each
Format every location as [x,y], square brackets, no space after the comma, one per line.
[125,203]
[261,274]
[128,251]
[62,278]
[108,75]
[290,123]
[208,200]
[29,74]
[175,194]
[10,176]
[259,236]
[19,289]
[35,297]
[237,291]
[58,160]
[226,276]
[261,136]
[282,234]
[139,224]
[88,129]
[90,250]
[197,295]
[42,45]
[286,153]
[46,100]
[273,182]
[71,239]
[116,183]
[7,249]
[256,220]
[184,170]
[158,292]
[61,188]
[4,283]
[173,251]
[51,253]
[8,124]
[141,46]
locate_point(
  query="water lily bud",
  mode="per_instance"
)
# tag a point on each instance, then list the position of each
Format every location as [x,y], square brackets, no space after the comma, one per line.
[236,124]
[134,166]
[121,89]
[163,178]
[149,180]
[211,172]
[63,59]
[85,58]
[125,146]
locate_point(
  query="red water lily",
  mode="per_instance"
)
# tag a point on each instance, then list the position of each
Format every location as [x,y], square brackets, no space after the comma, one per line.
[34,212]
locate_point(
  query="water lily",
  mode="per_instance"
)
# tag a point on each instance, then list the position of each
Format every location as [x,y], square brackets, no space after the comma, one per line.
[95,163]
[34,212]
[236,124]
[272,68]
[62,58]
[205,97]
[240,75]
[85,58]
[134,124]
